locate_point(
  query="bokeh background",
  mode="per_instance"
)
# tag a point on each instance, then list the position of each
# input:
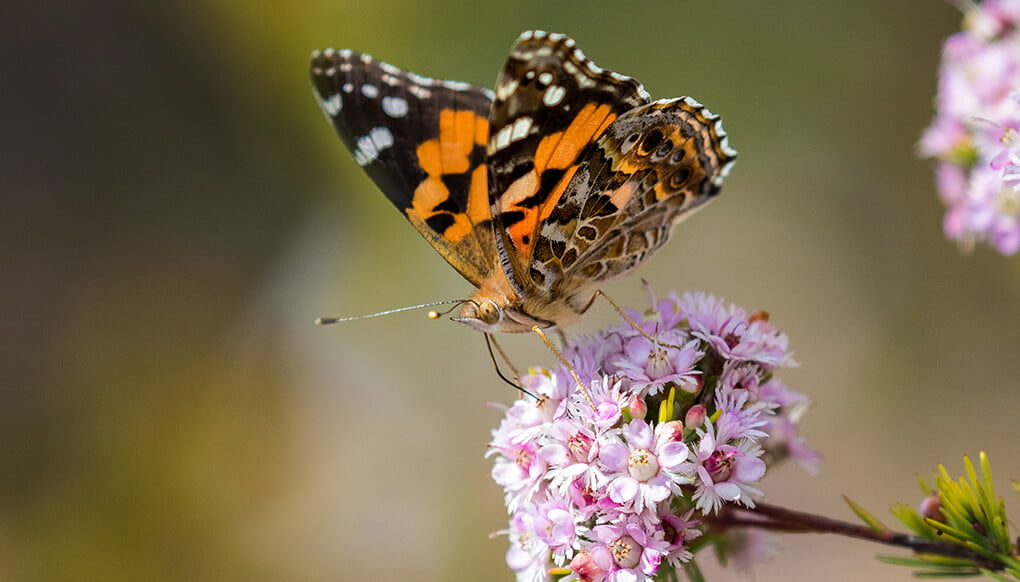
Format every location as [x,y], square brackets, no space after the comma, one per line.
[177,212]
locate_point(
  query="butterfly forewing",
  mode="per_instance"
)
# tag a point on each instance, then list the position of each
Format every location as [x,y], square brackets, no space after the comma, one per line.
[422,141]
[551,104]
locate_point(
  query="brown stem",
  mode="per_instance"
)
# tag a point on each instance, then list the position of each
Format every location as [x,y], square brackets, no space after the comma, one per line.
[773,517]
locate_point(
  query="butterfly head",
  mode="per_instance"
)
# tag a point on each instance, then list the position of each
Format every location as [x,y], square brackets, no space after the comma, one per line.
[483,315]
[487,315]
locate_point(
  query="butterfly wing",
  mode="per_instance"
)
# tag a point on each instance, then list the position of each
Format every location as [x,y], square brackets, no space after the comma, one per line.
[651,168]
[423,143]
[551,103]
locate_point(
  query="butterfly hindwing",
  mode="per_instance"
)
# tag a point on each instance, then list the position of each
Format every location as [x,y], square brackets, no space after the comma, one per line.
[423,143]
[551,104]
[651,168]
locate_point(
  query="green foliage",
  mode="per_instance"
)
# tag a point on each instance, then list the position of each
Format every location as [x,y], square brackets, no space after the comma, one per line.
[968,515]
[872,521]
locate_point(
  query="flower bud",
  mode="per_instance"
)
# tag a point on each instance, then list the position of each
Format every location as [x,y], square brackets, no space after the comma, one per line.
[638,408]
[586,568]
[695,386]
[670,431]
[931,508]
[695,417]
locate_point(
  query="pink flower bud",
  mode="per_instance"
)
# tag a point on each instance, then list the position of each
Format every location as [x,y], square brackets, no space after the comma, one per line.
[695,386]
[931,507]
[695,416]
[672,431]
[638,408]
[586,568]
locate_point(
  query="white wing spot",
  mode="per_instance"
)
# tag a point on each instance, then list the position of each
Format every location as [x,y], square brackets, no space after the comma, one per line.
[521,128]
[420,80]
[553,95]
[502,138]
[370,91]
[348,87]
[389,69]
[394,106]
[419,91]
[545,78]
[370,145]
[506,88]
[457,85]
[332,105]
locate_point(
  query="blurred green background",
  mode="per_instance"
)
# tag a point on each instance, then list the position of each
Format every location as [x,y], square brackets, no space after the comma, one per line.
[177,212]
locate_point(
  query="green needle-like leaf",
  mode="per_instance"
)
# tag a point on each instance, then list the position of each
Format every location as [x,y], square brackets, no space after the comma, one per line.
[871,521]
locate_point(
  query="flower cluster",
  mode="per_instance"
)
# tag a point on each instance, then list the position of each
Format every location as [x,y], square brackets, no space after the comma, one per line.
[974,136]
[680,415]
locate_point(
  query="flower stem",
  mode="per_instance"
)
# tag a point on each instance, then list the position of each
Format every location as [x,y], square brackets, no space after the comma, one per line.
[777,518]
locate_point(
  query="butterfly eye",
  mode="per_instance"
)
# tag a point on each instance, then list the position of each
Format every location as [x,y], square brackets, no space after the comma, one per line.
[489,312]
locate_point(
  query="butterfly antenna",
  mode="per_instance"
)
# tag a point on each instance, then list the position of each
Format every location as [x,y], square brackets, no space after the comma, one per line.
[432,314]
[437,314]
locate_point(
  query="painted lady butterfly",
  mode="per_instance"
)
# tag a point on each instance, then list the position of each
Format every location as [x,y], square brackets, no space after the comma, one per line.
[566,176]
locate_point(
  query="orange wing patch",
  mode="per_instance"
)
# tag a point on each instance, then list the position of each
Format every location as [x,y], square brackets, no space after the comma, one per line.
[559,150]
[556,152]
[460,132]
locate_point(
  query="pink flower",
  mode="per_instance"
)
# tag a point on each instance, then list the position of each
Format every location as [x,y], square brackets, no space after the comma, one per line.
[605,483]
[651,366]
[677,532]
[975,135]
[556,525]
[527,555]
[647,471]
[726,472]
[629,551]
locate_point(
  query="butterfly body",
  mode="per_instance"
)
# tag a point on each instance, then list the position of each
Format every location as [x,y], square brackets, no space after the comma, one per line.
[566,176]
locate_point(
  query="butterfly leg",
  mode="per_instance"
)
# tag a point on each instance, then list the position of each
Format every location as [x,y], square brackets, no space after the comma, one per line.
[563,337]
[563,360]
[625,316]
[490,341]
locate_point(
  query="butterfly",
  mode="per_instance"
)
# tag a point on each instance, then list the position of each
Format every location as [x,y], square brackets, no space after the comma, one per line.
[563,177]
